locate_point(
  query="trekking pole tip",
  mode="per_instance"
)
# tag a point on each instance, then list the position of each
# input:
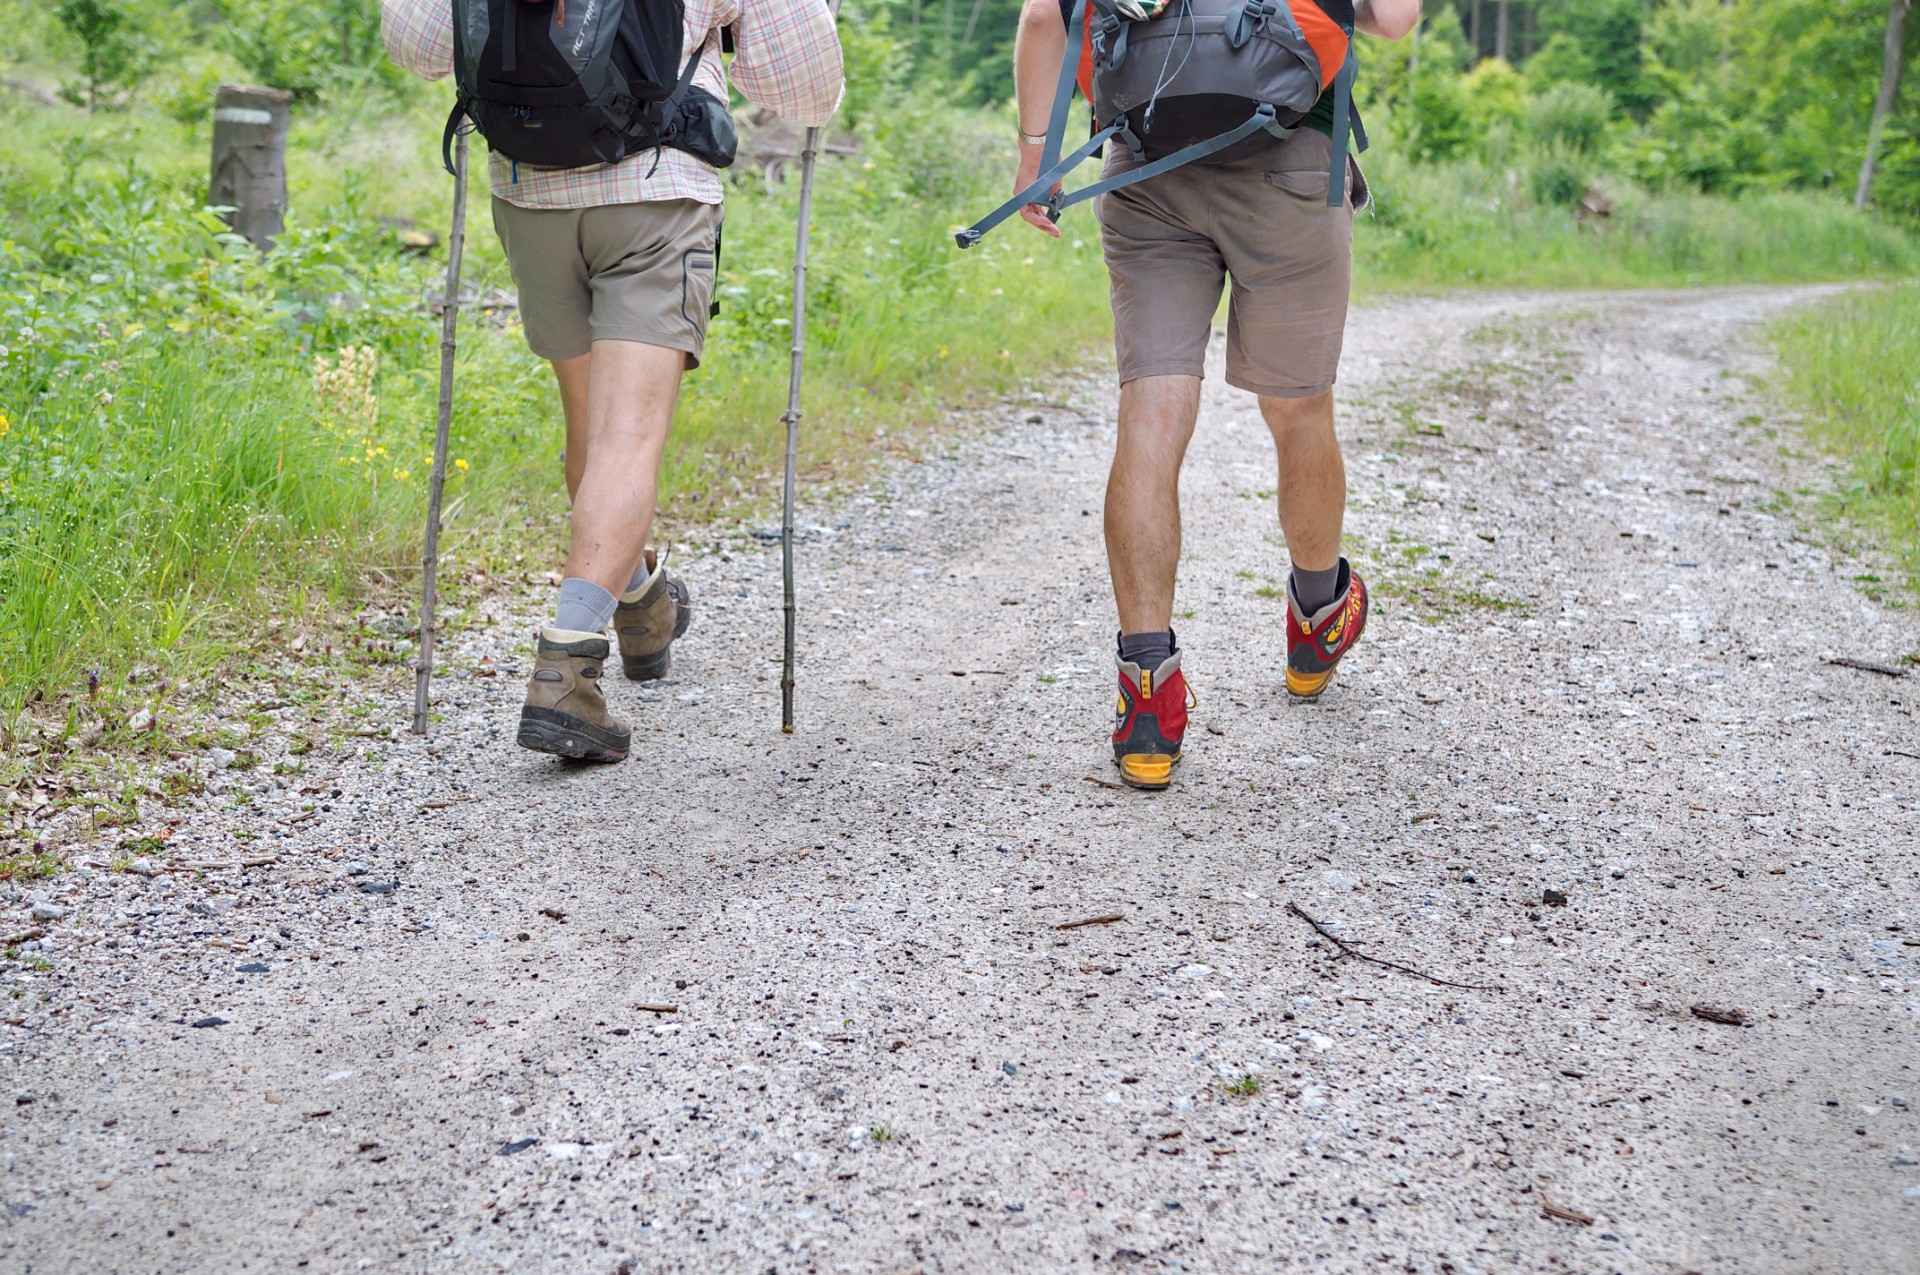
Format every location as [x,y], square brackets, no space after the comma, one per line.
[966,238]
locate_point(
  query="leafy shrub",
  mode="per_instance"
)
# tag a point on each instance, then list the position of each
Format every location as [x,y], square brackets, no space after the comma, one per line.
[1557,180]
[1572,117]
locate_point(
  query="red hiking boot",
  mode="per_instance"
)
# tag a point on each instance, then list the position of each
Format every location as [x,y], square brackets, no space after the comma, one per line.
[1316,642]
[1151,721]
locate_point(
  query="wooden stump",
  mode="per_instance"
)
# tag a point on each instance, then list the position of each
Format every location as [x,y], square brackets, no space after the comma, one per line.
[250,159]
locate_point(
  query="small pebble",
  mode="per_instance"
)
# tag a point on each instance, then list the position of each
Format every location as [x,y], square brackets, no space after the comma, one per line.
[378,887]
[221,758]
[357,869]
[209,1021]
[48,911]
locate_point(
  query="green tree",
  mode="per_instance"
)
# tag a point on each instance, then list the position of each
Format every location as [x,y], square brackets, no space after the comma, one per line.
[113,54]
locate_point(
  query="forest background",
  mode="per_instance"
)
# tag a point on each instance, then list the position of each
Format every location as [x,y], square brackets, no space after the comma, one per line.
[207,453]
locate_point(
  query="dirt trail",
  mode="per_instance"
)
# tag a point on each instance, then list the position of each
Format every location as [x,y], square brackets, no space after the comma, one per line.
[1598,667]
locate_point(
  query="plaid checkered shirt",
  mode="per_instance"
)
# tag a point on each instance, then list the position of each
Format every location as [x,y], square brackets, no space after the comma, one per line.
[787,60]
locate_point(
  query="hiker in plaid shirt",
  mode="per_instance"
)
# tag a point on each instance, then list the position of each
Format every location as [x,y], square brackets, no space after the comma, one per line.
[615,265]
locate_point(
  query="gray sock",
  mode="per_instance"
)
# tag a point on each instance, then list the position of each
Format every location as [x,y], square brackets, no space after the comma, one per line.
[584,607]
[1315,589]
[1148,650]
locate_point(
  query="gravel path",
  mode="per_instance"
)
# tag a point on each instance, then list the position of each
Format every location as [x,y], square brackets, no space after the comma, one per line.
[1598,667]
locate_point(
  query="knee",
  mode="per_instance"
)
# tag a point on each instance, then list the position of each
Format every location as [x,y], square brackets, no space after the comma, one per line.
[1159,411]
[1292,417]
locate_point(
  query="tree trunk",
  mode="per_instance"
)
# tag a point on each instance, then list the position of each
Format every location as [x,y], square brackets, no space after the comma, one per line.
[1479,32]
[1526,41]
[973,20]
[250,159]
[1500,31]
[1889,94]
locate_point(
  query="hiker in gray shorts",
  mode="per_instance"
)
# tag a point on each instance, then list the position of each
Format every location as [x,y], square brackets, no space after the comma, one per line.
[607,200]
[1268,219]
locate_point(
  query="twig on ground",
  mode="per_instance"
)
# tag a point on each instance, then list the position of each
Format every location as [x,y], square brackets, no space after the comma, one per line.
[1731,1017]
[658,1009]
[1105,919]
[1106,783]
[24,936]
[1866,666]
[1565,1214]
[1344,948]
[219,865]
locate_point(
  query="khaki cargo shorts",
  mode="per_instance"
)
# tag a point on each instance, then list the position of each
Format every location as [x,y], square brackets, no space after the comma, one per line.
[619,272]
[1172,242]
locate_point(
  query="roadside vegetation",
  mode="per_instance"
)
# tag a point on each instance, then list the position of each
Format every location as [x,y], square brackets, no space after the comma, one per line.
[209,456]
[1853,366]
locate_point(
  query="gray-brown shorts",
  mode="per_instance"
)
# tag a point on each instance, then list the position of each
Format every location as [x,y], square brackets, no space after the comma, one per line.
[1172,241]
[619,272]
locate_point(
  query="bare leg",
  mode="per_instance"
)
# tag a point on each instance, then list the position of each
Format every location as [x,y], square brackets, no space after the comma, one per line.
[1313,479]
[631,392]
[572,375]
[1157,415]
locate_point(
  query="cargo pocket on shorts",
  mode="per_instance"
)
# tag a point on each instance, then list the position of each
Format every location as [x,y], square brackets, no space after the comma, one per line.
[696,287]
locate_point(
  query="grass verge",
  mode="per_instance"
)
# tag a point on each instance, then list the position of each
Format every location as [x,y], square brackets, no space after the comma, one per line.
[1852,366]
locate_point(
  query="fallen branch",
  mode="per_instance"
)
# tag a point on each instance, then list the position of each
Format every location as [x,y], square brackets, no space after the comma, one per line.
[24,936]
[1344,948]
[658,1009]
[1106,919]
[1866,666]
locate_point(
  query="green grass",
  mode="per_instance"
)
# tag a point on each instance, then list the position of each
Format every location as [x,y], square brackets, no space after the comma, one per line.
[1468,224]
[1852,365]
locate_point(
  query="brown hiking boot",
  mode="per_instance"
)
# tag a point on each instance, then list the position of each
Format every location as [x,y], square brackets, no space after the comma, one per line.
[565,713]
[649,619]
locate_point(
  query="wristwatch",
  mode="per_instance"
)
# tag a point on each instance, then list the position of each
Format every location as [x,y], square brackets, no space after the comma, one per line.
[1033,139]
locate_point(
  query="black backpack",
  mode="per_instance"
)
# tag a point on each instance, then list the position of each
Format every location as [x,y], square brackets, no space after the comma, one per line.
[571,83]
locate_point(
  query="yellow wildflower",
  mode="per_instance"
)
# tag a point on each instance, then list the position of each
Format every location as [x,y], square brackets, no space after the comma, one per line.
[6,426]
[460,465]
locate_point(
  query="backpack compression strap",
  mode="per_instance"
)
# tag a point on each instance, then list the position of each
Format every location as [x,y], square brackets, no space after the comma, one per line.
[1051,169]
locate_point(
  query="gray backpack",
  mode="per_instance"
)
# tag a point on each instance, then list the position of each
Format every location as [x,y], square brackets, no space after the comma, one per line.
[1197,82]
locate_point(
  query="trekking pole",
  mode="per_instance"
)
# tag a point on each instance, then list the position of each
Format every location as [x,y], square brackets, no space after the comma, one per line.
[450,316]
[808,149]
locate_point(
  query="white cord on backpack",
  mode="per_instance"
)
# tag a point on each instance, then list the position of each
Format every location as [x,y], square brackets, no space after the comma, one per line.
[1164,79]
